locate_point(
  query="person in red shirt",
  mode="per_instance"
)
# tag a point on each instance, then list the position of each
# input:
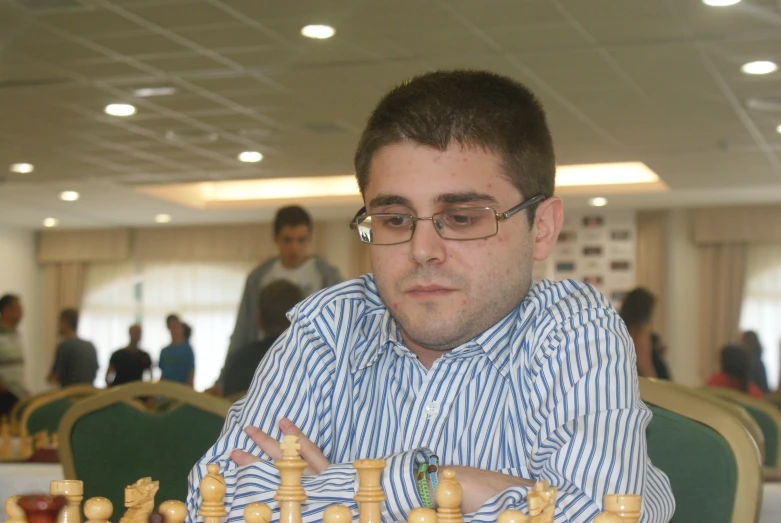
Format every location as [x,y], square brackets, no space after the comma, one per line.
[735,372]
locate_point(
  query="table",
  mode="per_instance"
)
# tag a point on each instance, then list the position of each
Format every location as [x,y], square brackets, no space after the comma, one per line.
[27,478]
[771,503]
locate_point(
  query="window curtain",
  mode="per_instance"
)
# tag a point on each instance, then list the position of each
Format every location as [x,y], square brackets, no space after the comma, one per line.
[761,310]
[722,280]
[652,263]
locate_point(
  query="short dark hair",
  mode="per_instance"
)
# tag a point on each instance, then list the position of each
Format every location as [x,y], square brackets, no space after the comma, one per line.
[292,215]
[735,364]
[6,301]
[170,318]
[274,301]
[471,109]
[71,317]
[637,308]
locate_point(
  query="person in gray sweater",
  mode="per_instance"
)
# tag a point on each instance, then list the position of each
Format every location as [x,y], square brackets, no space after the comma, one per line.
[311,273]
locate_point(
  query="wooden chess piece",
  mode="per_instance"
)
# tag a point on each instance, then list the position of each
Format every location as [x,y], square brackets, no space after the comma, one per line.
[607,517]
[40,508]
[337,514]
[626,506]
[73,490]
[542,502]
[98,510]
[212,489]
[512,516]
[449,495]
[41,440]
[55,442]
[369,494]
[173,511]
[140,500]
[290,493]
[25,446]
[6,449]
[259,513]
[14,511]
[422,515]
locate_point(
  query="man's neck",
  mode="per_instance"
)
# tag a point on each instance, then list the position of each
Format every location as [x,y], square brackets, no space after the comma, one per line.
[69,336]
[293,265]
[132,347]
[426,356]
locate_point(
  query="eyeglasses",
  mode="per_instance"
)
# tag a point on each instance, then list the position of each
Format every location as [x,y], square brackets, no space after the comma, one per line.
[468,223]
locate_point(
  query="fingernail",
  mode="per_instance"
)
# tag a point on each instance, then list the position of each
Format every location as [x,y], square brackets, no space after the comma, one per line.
[285,424]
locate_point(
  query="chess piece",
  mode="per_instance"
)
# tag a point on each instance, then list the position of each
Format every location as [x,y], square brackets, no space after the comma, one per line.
[55,442]
[173,511]
[542,502]
[98,510]
[14,511]
[261,513]
[39,508]
[449,495]
[41,440]
[73,490]
[336,514]
[369,494]
[511,516]
[625,506]
[607,517]
[290,493]
[140,500]
[212,489]
[422,515]
[6,450]
[25,446]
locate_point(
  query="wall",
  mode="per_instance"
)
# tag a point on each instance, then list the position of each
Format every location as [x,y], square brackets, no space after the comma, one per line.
[20,274]
[683,293]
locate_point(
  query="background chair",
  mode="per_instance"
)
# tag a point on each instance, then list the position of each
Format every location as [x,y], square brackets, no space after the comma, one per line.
[44,412]
[110,441]
[712,460]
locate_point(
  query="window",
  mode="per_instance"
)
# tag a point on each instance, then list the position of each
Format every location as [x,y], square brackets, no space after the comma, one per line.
[205,295]
[761,310]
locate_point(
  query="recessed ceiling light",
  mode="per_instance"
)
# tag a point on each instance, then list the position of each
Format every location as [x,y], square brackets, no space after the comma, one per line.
[22,168]
[69,196]
[163,218]
[720,3]
[120,109]
[51,222]
[320,32]
[148,92]
[597,202]
[250,157]
[759,67]
[778,129]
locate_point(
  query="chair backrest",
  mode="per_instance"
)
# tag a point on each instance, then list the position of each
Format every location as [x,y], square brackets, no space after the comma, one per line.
[710,457]
[45,412]
[109,441]
[767,416]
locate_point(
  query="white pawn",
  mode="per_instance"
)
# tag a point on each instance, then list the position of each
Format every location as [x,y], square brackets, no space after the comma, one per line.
[512,516]
[337,514]
[98,510]
[257,513]
[213,489]
[173,511]
[422,515]
[607,517]
[449,495]
[73,490]
[14,511]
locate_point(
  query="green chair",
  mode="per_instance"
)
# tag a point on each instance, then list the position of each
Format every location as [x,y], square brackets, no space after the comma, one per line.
[711,458]
[45,412]
[110,441]
[767,416]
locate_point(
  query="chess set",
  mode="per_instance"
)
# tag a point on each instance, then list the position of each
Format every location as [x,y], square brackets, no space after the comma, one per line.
[64,503]
[24,446]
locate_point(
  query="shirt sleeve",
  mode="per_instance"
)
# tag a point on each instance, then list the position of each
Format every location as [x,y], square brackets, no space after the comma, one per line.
[299,361]
[587,423]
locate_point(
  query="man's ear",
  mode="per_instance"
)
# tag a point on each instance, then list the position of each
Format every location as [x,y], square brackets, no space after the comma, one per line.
[547,226]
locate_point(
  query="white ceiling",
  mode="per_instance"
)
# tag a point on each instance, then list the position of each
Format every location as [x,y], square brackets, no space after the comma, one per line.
[656,81]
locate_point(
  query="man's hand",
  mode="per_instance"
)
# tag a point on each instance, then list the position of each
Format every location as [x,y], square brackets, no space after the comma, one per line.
[481,485]
[311,453]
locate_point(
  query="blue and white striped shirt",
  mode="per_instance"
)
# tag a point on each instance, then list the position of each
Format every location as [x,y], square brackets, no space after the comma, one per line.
[549,392]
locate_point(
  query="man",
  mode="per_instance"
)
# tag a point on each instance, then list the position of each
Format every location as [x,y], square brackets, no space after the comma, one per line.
[76,360]
[448,349]
[11,354]
[177,360]
[129,363]
[293,237]
[637,312]
[275,300]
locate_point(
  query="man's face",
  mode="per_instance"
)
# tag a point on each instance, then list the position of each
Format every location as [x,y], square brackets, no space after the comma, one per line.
[135,334]
[443,293]
[14,312]
[293,242]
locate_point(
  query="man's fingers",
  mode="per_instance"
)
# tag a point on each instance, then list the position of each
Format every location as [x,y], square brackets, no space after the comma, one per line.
[242,458]
[267,444]
[310,452]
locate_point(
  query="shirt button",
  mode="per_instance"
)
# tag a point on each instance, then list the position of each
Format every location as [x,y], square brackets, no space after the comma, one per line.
[432,409]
